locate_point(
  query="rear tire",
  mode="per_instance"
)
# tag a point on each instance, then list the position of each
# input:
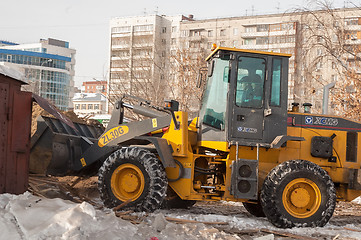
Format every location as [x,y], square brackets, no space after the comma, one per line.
[254,209]
[135,174]
[298,193]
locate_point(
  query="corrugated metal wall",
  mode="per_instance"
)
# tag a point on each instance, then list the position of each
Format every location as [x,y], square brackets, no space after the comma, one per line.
[15,123]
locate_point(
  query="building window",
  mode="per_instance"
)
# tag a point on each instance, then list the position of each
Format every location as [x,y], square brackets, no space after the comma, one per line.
[77,106]
[184,33]
[174,29]
[222,32]
[275,27]
[287,26]
[235,43]
[96,106]
[250,29]
[164,29]
[262,40]
[83,106]
[334,78]
[249,41]
[235,31]
[164,41]
[210,33]
[123,29]
[319,51]
[90,106]
[143,28]
[262,28]
[174,41]
[333,65]
[351,21]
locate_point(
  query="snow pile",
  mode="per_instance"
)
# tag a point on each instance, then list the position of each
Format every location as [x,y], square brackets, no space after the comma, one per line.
[28,217]
[357,200]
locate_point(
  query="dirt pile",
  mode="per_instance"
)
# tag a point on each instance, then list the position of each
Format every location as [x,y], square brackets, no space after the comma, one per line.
[39,111]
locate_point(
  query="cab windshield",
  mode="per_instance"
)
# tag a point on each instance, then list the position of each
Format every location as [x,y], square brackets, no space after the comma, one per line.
[214,100]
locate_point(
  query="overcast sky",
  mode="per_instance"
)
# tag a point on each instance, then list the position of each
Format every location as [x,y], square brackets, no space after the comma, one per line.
[85,23]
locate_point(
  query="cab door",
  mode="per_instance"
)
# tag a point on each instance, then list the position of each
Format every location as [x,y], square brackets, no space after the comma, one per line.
[258,99]
[247,99]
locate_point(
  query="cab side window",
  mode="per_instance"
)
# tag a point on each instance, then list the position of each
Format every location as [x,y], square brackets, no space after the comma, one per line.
[276,82]
[250,82]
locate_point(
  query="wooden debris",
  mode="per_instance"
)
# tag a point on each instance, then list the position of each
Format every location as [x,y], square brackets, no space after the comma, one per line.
[118,214]
[351,229]
[77,180]
[120,206]
[286,234]
[40,184]
[179,220]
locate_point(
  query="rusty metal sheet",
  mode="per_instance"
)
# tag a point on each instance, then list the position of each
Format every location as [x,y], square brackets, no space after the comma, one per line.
[50,108]
[20,139]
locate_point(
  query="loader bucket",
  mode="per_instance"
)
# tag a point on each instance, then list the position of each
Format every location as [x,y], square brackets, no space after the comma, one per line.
[55,145]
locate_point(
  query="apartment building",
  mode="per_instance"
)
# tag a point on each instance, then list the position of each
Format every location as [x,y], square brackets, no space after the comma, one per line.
[139,54]
[48,67]
[302,34]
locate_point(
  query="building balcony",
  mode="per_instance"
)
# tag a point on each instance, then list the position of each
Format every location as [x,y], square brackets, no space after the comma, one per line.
[267,33]
[125,46]
[144,33]
[196,38]
[353,27]
[143,45]
[121,35]
[353,41]
[119,69]
[120,57]
[269,46]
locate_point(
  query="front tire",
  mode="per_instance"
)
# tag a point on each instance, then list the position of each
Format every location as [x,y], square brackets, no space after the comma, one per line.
[298,193]
[254,208]
[132,174]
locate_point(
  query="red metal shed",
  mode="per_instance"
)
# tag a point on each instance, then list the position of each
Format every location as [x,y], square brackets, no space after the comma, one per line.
[15,124]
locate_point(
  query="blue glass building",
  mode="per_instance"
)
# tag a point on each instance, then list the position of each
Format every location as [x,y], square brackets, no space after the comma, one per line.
[48,66]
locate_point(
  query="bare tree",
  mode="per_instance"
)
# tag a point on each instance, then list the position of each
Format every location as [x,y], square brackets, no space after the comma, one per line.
[155,77]
[330,52]
[185,83]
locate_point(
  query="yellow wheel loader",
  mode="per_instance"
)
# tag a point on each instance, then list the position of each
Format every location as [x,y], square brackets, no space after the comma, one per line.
[244,146]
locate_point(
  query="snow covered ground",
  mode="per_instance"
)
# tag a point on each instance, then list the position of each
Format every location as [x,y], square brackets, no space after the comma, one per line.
[29,217]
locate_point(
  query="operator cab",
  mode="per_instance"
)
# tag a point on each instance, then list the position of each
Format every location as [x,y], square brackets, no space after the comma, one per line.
[245,100]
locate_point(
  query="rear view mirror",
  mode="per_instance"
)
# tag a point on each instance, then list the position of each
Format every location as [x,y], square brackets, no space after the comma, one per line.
[201,77]
[210,69]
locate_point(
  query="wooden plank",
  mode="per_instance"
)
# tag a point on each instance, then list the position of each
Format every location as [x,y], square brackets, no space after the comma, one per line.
[286,234]
[120,206]
[179,220]
[351,229]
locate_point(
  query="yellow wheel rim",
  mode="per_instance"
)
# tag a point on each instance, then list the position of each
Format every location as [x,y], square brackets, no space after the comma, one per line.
[127,182]
[301,198]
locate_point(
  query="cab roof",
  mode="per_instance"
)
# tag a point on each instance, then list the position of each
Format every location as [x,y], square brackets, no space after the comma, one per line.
[246,51]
